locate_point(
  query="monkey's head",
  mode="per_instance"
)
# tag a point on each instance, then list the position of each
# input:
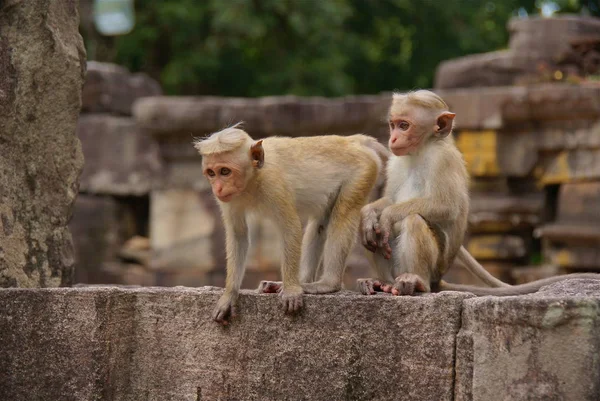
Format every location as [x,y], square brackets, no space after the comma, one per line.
[414,117]
[229,160]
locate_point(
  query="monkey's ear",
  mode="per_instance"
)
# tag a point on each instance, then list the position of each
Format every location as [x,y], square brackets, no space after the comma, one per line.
[444,124]
[257,154]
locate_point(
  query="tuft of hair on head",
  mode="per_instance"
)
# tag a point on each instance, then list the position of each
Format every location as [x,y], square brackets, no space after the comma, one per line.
[420,98]
[226,140]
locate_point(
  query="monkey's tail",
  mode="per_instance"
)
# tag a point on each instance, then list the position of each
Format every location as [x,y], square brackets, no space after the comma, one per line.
[477,270]
[520,289]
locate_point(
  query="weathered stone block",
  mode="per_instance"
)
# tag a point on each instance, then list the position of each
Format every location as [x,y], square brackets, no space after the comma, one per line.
[550,37]
[55,344]
[533,42]
[497,68]
[42,65]
[161,344]
[184,230]
[96,237]
[497,212]
[110,88]
[279,115]
[570,166]
[549,102]
[119,159]
[541,346]
[497,247]
[480,108]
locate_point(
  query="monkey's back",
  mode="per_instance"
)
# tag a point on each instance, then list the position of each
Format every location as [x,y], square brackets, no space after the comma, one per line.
[317,167]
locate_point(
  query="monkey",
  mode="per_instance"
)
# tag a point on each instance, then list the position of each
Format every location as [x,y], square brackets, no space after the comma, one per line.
[415,231]
[323,180]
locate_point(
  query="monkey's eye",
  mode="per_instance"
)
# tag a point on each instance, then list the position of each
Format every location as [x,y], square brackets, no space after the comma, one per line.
[403,125]
[225,171]
[391,125]
[210,173]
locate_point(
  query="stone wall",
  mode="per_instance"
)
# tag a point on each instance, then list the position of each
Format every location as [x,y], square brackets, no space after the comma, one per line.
[120,163]
[42,65]
[161,344]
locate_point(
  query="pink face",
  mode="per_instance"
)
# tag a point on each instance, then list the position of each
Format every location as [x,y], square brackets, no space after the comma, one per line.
[226,176]
[405,135]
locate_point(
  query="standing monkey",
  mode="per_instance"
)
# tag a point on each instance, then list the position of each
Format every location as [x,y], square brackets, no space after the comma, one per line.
[416,230]
[325,179]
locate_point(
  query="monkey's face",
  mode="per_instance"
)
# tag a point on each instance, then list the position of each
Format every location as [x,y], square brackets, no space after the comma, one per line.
[226,174]
[406,134]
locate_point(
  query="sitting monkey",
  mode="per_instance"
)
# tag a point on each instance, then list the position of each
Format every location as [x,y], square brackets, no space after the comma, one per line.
[416,230]
[324,179]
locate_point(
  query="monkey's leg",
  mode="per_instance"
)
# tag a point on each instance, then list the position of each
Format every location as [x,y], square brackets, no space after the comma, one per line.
[312,250]
[382,268]
[416,254]
[341,234]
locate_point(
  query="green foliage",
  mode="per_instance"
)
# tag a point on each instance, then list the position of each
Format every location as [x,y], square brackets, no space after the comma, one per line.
[305,47]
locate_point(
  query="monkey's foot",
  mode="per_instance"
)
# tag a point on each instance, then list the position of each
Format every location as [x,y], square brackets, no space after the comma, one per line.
[291,299]
[407,284]
[320,287]
[225,310]
[369,286]
[269,287]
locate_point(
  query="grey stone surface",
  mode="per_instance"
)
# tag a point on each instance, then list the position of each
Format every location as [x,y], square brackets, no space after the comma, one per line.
[119,159]
[543,346]
[42,65]
[534,42]
[276,115]
[111,88]
[160,344]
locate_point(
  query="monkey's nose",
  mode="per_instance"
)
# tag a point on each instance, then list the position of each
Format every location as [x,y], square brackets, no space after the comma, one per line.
[393,139]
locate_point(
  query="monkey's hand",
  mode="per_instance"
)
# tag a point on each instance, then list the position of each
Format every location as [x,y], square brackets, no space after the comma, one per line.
[225,309]
[369,227]
[291,298]
[386,227]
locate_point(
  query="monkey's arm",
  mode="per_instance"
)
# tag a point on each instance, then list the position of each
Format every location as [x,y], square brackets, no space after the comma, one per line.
[369,222]
[236,245]
[432,212]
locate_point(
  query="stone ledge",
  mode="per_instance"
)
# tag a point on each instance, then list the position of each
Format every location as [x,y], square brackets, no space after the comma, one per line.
[266,116]
[160,344]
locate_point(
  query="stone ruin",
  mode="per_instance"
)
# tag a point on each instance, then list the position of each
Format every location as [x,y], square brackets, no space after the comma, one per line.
[531,151]
[530,143]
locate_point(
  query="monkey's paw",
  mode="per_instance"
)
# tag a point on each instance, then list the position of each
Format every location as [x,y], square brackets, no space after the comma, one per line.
[291,299]
[369,286]
[225,310]
[269,287]
[408,284]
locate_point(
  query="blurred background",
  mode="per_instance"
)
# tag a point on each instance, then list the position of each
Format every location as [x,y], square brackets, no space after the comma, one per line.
[523,77]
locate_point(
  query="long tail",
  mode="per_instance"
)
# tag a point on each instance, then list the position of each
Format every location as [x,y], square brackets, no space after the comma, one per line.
[515,289]
[469,262]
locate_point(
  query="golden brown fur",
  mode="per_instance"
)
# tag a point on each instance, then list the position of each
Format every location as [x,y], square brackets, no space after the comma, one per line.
[324,180]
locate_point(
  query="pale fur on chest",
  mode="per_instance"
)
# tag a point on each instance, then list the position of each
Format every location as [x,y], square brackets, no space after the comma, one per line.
[405,180]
